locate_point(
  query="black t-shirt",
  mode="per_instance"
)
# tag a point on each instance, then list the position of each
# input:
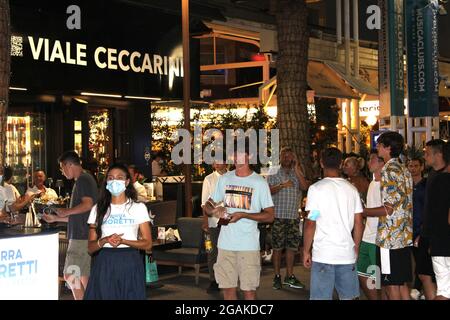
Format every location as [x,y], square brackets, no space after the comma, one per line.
[85,186]
[418,206]
[429,204]
[438,216]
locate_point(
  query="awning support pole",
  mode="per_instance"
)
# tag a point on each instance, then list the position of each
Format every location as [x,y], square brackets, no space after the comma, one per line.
[187,102]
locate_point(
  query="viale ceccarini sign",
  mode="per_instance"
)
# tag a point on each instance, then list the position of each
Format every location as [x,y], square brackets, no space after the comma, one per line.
[56,51]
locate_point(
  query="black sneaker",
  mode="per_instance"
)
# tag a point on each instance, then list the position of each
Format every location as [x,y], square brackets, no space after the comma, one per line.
[277,282]
[293,282]
[213,288]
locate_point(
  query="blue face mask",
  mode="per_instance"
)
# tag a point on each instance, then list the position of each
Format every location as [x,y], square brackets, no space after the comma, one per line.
[116,187]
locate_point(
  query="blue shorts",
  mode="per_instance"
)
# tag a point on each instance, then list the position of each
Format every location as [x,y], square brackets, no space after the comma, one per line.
[326,277]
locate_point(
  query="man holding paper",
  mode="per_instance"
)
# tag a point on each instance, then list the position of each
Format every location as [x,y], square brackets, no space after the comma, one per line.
[247,200]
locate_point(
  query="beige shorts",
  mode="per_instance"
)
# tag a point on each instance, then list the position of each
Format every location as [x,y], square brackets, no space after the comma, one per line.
[232,266]
[78,260]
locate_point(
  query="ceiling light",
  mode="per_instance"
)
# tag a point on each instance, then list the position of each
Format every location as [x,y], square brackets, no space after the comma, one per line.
[142,98]
[101,95]
[81,100]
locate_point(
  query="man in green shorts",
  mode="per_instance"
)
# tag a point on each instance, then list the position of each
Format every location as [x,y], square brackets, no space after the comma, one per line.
[367,251]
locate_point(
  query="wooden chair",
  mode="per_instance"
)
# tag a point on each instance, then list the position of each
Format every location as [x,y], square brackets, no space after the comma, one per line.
[191,254]
[165,212]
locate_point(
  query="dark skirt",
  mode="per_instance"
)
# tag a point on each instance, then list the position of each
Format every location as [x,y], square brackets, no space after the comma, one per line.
[117,274]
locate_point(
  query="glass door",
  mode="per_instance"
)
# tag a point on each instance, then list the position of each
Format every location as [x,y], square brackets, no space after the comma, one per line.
[100,141]
[25,147]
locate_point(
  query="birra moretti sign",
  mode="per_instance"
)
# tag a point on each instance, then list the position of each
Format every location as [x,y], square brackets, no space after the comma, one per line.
[56,51]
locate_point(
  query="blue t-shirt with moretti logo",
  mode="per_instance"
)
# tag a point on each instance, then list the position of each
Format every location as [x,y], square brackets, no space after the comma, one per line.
[249,194]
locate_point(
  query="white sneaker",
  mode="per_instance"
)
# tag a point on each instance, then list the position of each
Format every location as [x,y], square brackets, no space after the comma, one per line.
[268,257]
[415,294]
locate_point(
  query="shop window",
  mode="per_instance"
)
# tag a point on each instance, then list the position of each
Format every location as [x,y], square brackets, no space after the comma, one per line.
[227,51]
[100,139]
[78,136]
[25,147]
[122,136]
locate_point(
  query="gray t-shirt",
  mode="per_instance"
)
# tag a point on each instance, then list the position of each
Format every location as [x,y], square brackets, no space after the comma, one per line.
[85,186]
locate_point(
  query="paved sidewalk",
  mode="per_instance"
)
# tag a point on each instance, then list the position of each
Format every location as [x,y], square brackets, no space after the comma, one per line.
[183,287]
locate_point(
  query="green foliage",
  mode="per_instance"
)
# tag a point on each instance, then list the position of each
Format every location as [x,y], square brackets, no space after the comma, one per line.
[414,153]
[162,132]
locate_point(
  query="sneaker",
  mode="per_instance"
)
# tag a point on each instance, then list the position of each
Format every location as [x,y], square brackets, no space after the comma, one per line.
[415,294]
[213,288]
[277,282]
[293,282]
[268,257]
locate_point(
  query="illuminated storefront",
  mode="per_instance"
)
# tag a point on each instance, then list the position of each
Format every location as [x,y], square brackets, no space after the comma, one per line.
[89,90]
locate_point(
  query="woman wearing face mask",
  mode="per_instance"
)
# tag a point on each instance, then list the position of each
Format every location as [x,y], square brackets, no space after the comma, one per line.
[118,229]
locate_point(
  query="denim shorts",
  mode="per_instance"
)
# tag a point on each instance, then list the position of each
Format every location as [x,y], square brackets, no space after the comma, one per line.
[326,277]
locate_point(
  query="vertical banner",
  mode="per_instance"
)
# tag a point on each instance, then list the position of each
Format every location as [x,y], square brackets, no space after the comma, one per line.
[383,64]
[391,61]
[422,53]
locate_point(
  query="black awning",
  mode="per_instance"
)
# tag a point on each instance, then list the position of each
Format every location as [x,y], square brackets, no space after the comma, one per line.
[444,104]
[196,10]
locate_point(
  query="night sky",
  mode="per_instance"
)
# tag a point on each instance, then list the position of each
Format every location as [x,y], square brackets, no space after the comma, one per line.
[366,34]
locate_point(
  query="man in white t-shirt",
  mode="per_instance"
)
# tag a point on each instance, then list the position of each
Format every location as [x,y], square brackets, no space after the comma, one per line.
[140,189]
[14,201]
[2,202]
[2,195]
[247,201]
[39,187]
[367,259]
[210,223]
[334,212]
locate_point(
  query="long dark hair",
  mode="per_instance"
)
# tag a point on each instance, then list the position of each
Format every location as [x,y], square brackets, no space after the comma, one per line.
[104,201]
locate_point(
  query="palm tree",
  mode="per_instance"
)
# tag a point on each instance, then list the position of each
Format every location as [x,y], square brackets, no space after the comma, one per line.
[292,64]
[5,64]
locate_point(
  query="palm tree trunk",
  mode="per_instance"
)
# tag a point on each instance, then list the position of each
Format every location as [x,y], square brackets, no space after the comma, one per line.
[5,64]
[292,65]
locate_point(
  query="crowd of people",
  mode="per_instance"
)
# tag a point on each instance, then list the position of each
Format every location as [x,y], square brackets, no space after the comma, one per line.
[360,234]
[372,234]
[110,223]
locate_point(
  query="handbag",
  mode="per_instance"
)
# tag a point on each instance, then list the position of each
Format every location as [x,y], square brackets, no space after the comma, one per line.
[151,269]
